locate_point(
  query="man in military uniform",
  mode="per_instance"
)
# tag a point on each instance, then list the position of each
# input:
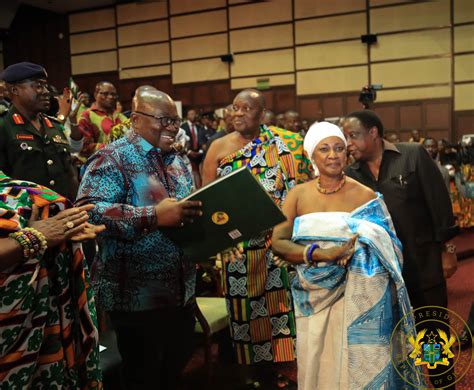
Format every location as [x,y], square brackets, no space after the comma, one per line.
[32,145]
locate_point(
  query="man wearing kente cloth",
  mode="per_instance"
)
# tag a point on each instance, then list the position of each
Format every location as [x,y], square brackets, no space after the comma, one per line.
[257,291]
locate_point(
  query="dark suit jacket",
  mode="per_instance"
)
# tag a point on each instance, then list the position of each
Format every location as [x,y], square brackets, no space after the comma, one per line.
[419,204]
[202,140]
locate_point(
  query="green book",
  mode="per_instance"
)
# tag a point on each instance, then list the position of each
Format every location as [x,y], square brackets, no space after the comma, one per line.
[235,208]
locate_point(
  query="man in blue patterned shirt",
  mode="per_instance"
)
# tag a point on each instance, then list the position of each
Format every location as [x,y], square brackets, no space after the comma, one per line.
[141,278]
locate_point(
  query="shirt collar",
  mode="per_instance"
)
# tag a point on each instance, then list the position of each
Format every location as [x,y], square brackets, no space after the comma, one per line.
[96,109]
[387,147]
[143,146]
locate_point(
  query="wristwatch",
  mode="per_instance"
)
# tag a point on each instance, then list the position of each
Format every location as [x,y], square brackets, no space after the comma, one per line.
[61,117]
[450,248]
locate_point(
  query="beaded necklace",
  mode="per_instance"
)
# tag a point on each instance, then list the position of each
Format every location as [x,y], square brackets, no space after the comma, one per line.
[329,192]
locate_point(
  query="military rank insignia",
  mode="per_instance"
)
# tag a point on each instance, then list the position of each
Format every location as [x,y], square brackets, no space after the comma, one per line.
[18,119]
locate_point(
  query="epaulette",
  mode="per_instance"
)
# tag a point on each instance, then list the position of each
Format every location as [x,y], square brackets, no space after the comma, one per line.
[53,118]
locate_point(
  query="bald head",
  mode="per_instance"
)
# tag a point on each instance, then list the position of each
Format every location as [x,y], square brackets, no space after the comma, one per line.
[253,94]
[139,92]
[154,100]
[292,121]
[269,118]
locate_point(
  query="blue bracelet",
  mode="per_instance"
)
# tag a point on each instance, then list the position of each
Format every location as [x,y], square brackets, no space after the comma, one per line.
[309,253]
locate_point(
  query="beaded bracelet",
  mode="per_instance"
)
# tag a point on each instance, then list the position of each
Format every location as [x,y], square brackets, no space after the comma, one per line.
[32,242]
[310,252]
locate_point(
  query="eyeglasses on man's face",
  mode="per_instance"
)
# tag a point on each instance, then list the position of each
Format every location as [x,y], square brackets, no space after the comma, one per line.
[165,121]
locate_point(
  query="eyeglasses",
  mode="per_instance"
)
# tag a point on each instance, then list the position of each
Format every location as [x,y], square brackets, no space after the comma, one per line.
[165,121]
[104,93]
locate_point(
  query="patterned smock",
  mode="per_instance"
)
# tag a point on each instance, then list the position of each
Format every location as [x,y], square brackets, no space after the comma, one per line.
[257,294]
[48,322]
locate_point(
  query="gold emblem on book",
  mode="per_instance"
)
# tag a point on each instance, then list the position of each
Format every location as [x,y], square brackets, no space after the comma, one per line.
[220,218]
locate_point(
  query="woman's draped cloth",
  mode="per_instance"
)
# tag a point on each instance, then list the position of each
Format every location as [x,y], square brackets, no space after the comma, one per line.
[346,318]
[48,323]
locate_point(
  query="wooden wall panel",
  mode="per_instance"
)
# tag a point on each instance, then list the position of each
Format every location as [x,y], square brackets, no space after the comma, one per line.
[410,16]
[154,54]
[331,54]
[331,80]
[221,94]
[188,25]
[464,38]
[333,106]
[87,82]
[464,97]
[273,81]
[141,11]
[310,108]
[201,95]
[93,20]
[413,44]
[415,72]
[284,99]
[267,62]
[410,116]
[261,38]
[308,8]
[199,47]
[145,72]
[199,70]
[352,104]
[437,115]
[94,63]
[185,6]
[413,93]
[463,11]
[260,13]
[389,116]
[464,121]
[95,41]
[464,68]
[330,28]
[143,33]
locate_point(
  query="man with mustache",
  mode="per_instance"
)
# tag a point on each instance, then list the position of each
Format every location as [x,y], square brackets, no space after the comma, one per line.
[141,277]
[33,146]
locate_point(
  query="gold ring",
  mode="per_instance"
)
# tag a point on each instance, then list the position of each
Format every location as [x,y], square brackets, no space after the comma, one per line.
[70,224]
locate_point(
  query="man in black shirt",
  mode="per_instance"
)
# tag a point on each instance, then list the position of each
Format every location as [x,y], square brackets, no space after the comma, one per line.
[417,200]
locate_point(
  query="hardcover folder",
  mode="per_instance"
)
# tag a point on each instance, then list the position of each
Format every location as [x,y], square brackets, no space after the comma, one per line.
[235,208]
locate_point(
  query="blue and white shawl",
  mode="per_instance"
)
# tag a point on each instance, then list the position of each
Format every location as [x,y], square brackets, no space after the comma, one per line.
[375,296]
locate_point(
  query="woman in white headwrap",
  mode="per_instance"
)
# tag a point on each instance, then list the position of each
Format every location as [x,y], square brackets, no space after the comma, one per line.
[340,239]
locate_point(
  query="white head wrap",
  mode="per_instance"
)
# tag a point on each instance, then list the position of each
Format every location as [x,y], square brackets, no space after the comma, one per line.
[316,133]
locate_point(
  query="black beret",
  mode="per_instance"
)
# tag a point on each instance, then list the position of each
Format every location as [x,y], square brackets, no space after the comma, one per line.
[23,71]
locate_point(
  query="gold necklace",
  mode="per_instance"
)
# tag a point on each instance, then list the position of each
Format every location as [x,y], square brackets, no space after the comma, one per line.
[329,192]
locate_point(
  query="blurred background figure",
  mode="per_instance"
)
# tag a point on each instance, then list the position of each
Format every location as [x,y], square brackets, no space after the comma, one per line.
[4,101]
[416,137]
[431,146]
[269,118]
